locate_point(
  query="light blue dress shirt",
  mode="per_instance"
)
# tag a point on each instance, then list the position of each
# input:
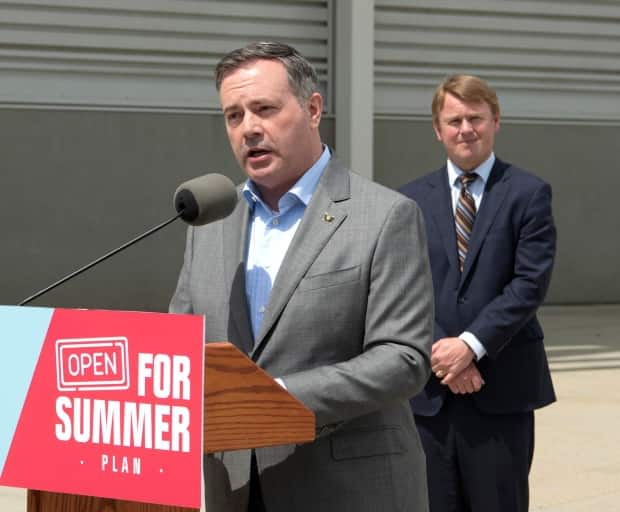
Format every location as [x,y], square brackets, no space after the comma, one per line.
[476,189]
[270,234]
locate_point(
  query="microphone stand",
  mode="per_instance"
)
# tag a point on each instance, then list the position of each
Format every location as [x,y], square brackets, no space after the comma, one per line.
[100,259]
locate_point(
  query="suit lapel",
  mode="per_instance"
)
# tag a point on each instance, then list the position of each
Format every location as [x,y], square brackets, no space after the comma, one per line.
[324,214]
[443,216]
[234,236]
[494,194]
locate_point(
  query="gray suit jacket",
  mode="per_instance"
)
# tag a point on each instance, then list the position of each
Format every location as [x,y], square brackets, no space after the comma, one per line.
[348,328]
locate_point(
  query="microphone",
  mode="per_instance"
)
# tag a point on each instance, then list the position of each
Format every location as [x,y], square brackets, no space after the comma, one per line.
[205,199]
[198,201]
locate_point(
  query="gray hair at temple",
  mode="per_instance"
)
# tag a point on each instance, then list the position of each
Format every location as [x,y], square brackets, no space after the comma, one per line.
[302,76]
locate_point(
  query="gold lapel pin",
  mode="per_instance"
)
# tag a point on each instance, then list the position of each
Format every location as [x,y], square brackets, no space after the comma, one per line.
[327,217]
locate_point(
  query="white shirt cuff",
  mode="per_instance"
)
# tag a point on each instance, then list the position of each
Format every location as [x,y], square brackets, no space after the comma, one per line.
[474,343]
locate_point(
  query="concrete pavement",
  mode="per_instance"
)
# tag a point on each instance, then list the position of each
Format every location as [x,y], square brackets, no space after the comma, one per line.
[12,500]
[577,462]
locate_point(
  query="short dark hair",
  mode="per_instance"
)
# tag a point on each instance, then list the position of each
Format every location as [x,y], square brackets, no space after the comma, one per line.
[302,76]
[467,88]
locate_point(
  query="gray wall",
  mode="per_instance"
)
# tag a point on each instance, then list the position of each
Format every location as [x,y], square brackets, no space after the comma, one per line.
[580,163]
[76,184]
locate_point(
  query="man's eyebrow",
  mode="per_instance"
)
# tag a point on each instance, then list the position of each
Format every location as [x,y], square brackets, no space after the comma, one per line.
[252,103]
[229,108]
[467,116]
[261,101]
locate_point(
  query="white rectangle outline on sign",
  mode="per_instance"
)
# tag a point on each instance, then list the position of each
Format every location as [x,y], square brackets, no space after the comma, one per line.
[118,341]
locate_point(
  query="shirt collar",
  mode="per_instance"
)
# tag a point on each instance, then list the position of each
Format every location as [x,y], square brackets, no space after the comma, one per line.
[483,170]
[301,191]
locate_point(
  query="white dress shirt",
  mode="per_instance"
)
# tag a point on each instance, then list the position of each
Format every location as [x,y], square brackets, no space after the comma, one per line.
[476,189]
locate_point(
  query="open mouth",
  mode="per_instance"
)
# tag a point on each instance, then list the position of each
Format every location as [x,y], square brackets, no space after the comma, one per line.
[257,152]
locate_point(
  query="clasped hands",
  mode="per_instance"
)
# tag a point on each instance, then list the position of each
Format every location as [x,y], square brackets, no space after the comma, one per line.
[452,361]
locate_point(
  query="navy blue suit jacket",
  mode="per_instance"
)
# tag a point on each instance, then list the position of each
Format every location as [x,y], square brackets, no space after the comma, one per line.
[505,278]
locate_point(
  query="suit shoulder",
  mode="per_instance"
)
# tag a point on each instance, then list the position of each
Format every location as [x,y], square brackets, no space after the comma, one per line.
[524,177]
[362,186]
[379,199]
[420,185]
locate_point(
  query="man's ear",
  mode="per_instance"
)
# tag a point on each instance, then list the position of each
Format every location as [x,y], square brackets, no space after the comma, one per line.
[315,109]
[437,131]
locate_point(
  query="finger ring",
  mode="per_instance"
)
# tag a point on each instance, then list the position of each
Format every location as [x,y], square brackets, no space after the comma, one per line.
[439,373]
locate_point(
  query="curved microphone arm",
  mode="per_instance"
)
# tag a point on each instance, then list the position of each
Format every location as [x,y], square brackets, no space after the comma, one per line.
[100,259]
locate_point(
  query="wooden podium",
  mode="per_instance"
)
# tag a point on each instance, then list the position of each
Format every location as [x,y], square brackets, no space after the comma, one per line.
[243,408]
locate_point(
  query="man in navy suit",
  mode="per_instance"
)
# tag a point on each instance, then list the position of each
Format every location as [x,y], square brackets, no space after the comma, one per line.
[492,243]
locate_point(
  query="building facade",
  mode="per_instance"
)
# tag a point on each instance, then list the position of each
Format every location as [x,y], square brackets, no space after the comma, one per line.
[106,105]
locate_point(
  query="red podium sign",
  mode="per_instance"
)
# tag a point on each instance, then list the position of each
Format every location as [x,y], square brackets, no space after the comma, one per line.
[112,408]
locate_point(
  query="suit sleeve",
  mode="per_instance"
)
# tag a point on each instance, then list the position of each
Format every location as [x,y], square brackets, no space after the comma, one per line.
[394,363]
[504,316]
[439,332]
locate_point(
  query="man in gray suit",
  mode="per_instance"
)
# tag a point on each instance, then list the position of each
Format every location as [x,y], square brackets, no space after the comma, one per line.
[322,278]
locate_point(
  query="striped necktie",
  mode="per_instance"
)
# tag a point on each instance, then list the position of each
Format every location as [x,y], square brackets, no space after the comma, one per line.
[465,216]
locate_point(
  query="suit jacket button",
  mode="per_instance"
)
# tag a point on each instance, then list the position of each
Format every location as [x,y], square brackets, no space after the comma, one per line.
[462,300]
